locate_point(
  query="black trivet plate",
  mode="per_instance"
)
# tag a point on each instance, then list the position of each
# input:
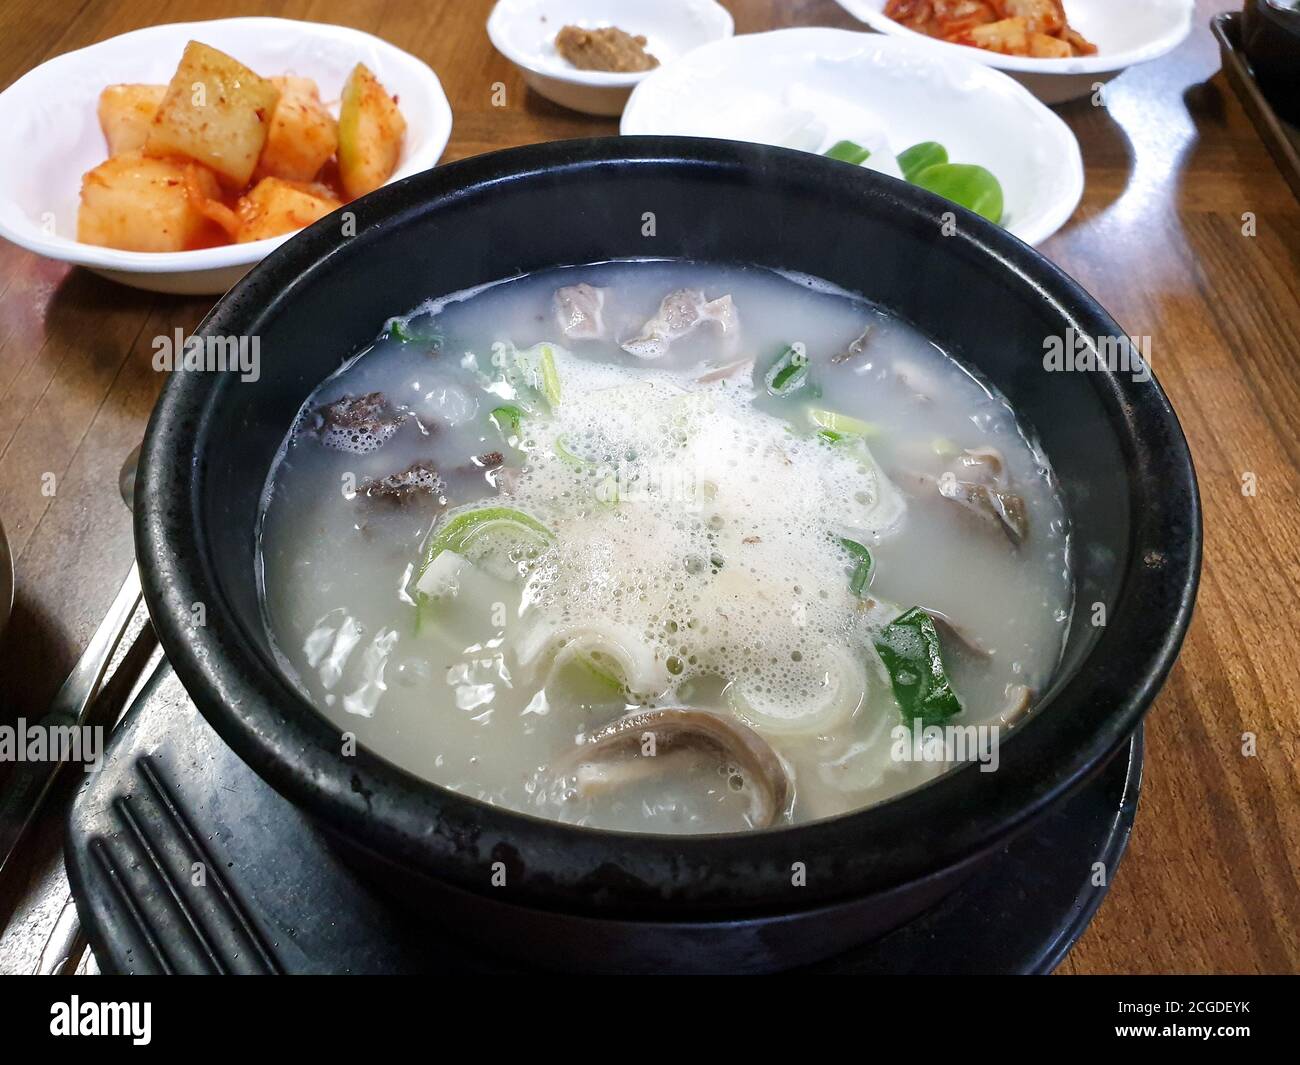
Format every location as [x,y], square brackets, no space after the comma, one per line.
[183,860]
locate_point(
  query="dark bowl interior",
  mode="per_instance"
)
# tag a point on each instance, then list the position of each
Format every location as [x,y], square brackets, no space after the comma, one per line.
[1270,36]
[982,295]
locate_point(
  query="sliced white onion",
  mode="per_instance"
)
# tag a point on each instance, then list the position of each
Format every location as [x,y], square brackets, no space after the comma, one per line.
[883,507]
[864,768]
[442,576]
[842,694]
[642,672]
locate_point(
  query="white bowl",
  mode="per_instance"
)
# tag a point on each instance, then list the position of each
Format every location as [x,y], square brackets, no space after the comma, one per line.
[882,92]
[524,32]
[50,135]
[1126,32]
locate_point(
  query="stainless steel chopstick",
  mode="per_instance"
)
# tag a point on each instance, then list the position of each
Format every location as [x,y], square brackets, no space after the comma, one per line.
[27,788]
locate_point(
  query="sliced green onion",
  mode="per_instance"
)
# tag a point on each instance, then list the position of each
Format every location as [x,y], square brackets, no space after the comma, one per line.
[836,426]
[606,492]
[441,577]
[909,648]
[587,662]
[789,372]
[864,568]
[507,418]
[550,377]
[847,152]
[462,532]
[400,329]
[911,161]
[570,458]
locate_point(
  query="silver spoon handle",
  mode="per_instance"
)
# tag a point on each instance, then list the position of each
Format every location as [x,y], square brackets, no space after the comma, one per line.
[31,781]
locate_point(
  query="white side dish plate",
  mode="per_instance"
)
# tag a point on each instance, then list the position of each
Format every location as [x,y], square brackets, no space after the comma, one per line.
[524,32]
[809,88]
[1126,32]
[50,135]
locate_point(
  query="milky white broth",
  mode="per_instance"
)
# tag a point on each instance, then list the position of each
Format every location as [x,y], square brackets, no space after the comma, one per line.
[694,555]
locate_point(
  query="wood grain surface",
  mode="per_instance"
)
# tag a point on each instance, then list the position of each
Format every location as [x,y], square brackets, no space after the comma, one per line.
[1173,169]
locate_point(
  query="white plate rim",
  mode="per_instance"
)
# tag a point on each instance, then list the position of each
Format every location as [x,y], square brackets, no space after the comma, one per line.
[224,256]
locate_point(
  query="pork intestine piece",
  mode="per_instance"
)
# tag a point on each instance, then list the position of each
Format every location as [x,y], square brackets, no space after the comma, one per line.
[980,483]
[977,482]
[580,311]
[616,755]
[681,312]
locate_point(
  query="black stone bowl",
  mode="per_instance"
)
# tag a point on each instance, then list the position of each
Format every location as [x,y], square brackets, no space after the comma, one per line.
[585,898]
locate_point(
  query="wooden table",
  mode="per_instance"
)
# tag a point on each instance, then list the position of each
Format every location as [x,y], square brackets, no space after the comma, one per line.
[1173,167]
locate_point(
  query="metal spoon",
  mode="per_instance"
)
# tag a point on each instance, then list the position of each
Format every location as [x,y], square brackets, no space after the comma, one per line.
[32,781]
